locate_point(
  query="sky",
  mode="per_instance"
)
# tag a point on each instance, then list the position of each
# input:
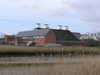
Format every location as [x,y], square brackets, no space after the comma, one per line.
[21,15]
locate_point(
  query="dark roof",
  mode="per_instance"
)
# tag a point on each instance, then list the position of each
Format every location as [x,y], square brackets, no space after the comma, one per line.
[78,35]
[64,35]
[35,32]
[1,38]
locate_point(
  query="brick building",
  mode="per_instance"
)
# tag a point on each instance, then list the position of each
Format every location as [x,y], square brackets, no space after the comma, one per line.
[42,36]
[9,39]
[1,41]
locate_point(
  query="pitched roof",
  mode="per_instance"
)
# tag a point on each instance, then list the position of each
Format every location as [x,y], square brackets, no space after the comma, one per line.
[35,32]
[78,35]
[64,35]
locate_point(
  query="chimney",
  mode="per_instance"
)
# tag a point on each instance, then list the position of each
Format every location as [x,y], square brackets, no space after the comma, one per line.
[65,27]
[46,26]
[60,27]
[38,25]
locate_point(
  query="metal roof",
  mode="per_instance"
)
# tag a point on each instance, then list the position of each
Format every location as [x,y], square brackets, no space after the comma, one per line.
[35,32]
[64,35]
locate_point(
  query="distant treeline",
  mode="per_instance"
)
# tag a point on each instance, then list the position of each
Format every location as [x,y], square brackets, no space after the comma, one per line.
[92,43]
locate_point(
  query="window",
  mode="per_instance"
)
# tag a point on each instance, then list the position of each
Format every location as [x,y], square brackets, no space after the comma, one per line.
[27,37]
[39,36]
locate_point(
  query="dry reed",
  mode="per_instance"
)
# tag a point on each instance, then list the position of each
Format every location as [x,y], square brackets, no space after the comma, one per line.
[68,68]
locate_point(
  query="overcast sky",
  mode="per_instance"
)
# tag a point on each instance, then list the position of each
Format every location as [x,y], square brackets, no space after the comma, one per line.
[21,15]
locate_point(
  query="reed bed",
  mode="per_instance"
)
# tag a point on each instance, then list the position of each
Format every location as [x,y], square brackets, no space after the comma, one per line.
[68,68]
[73,66]
[48,49]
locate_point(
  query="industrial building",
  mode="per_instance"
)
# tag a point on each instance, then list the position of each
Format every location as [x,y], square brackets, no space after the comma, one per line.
[42,36]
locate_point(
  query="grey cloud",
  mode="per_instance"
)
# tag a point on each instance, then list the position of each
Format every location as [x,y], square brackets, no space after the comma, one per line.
[89,10]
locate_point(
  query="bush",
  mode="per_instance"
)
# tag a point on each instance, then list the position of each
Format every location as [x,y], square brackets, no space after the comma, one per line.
[92,43]
[3,43]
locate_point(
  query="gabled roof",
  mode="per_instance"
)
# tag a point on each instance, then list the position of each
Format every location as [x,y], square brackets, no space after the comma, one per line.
[64,35]
[35,32]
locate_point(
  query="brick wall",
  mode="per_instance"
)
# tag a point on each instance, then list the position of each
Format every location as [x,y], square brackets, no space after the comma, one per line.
[40,41]
[9,38]
[50,37]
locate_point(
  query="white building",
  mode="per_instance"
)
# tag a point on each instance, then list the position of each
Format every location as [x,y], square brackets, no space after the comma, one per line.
[95,36]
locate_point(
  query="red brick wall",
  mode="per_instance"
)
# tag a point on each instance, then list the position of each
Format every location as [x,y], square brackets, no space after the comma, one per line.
[9,38]
[40,41]
[50,37]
